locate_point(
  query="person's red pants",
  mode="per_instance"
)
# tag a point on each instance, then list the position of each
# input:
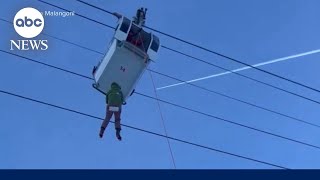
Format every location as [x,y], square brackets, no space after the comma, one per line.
[117,118]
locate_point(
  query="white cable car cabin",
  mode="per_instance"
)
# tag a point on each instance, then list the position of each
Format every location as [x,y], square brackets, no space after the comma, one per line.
[129,55]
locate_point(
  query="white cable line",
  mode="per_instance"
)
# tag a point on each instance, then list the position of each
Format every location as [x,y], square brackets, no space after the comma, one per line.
[244,68]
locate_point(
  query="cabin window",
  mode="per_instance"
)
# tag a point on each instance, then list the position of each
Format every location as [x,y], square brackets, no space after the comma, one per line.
[138,37]
[155,43]
[125,25]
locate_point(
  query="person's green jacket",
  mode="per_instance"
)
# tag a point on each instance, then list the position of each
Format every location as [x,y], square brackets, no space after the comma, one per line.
[114,96]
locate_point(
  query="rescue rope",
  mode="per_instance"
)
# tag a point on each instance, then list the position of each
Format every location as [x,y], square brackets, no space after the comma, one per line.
[162,119]
[159,106]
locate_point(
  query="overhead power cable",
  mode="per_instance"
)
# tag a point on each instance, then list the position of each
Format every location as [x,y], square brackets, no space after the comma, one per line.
[245,76]
[191,84]
[165,47]
[199,112]
[213,52]
[236,99]
[141,130]
[96,7]
[103,24]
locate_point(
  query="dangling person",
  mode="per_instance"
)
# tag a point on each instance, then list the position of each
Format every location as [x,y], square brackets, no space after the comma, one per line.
[114,100]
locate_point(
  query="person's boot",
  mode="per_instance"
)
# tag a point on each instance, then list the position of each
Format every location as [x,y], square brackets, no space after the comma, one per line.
[118,134]
[101,132]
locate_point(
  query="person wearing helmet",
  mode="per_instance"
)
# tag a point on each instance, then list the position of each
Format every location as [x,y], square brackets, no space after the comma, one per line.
[114,100]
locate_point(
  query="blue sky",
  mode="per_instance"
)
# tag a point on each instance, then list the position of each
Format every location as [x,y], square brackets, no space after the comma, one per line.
[36,136]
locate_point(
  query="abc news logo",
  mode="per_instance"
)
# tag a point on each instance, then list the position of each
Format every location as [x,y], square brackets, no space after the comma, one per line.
[28,23]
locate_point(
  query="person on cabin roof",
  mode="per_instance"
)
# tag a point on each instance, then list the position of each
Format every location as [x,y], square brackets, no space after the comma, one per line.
[114,100]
